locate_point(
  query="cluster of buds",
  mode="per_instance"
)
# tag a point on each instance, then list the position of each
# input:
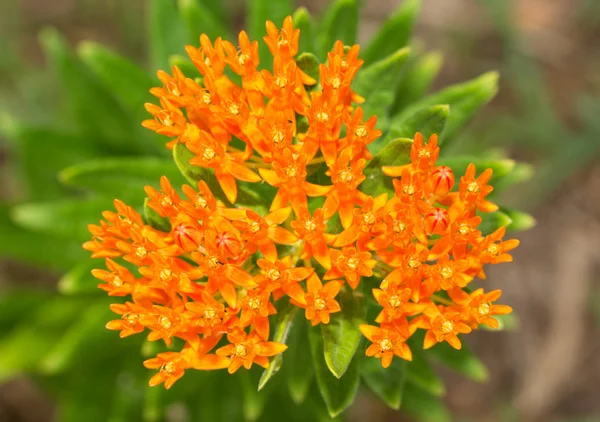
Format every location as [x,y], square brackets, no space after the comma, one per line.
[215,278]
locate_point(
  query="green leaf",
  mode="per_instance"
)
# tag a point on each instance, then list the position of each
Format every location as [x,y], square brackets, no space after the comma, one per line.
[282,330]
[394,33]
[417,80]
[520,221]
[490,222]
[17,303]
[201,20]
[124,178]
[253,403]
[304,22]
[395,153]
[423,406]
[79,279]
[261,11]
[309,63]
[340,22]
[419,371]
[463,361]
[103,120]
[428,120]
[521,172]
[167,32]
[154,404]
[464,99]
[155,220]
[67,218]
[338,394]
[459,165]
[377,83]
[341,336]
[87,337]
[386,383]
[299,374]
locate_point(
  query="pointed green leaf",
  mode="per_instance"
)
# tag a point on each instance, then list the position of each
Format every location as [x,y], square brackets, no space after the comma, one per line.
[459,165]
[301,372]
[79,279]
[339,23]
[201,20]
[419,371]
[520,221]
[67,218]
[166,32]
[490,222]
[394,33]
[282,330]
[395,153]
[341,336]
[103,120]
[261,11]
[122,178]
[385,383]
[462,361]
[376,83]
[423,406]
[338,394]
[155,220]
[428,120]
[464,99]
[417,80]
[304,22]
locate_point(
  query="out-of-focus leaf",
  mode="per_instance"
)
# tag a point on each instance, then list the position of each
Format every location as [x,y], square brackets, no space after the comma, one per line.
[154,404]
[429,120]
[96,112]
[254,401]
[338,394]
[521,172]
[304,22]
[464,99]
[122,178]
[420,373]
[376,83]
[185,65]
[261,11]
[340,22]
[282,330]
[300,373]
[417,80]
[155,220]
[167,33]
[395,153]
[201,20]
[14,305]
[385,383]
[341,336]
[459,165]
[67,218]
[490,222]
[309,63]
[394,33]
[423,406]
[463,361]
[520,221]
[79,279]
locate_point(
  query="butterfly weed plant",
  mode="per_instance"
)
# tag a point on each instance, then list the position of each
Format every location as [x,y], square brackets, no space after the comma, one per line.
[287,218]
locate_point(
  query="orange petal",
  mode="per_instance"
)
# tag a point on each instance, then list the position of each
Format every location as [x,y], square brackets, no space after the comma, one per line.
[269,176]
[282,236]
[209,362]
[270,348]
[241,172]
[229,186]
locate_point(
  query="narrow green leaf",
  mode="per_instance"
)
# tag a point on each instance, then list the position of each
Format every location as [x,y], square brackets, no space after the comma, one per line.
[459,165]
[385,383]
[67,219]
[254,402]
[419,371]
[167,32]
[261,11]
[377,82]
[124,178]
[103,120]
[520,221]
[155,220]
[201,20]
[282,330]
[493,221]
[341,336]
[464,99]
[299,374]
[79,279]
[394,33]
[340,22]
[428,120]
[338,394]
[424,407]
[417,80]
[304,22]
[521,172]
[395,153]
[463,361]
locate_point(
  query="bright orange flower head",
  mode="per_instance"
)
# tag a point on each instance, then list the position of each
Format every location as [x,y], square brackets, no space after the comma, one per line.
[223,259]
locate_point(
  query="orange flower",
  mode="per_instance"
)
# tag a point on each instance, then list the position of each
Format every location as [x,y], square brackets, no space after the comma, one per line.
[318,300]
[387,343]
[350,264]
[312,229]
[443,325]
[246,349]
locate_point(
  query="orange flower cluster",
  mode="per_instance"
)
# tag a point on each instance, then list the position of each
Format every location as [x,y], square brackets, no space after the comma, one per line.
[212,281]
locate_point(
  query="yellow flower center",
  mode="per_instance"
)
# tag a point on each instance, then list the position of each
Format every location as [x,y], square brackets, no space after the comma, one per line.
[336,82]
[240,351]
[408,190]
[165,274]
[399,226]
[165,322]
[207,61]
[446,272]
[173,89]
[319,304]
[484,309]
[281,81]
[166,201]
[322,117]
[352,263]
[464,229]
[473,187]
[254,303]
[206,97]
[447,327]
[201,202]
[132,318]
[166,120]
[273,274]
[213,262]
[395,301]
[386,345]
[277,136]
[493,249]
[116,281]
[424,153]
[310,225]
[209,313]
[346,175]
[208,154]
[361,132]
[234,109]
[141,252]
[414,262]
[242,59]
[253,226]
[169,368]
[369,218]
[291,171]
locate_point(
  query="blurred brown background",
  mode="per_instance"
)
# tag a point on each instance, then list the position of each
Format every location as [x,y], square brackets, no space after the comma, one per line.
[549,368]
